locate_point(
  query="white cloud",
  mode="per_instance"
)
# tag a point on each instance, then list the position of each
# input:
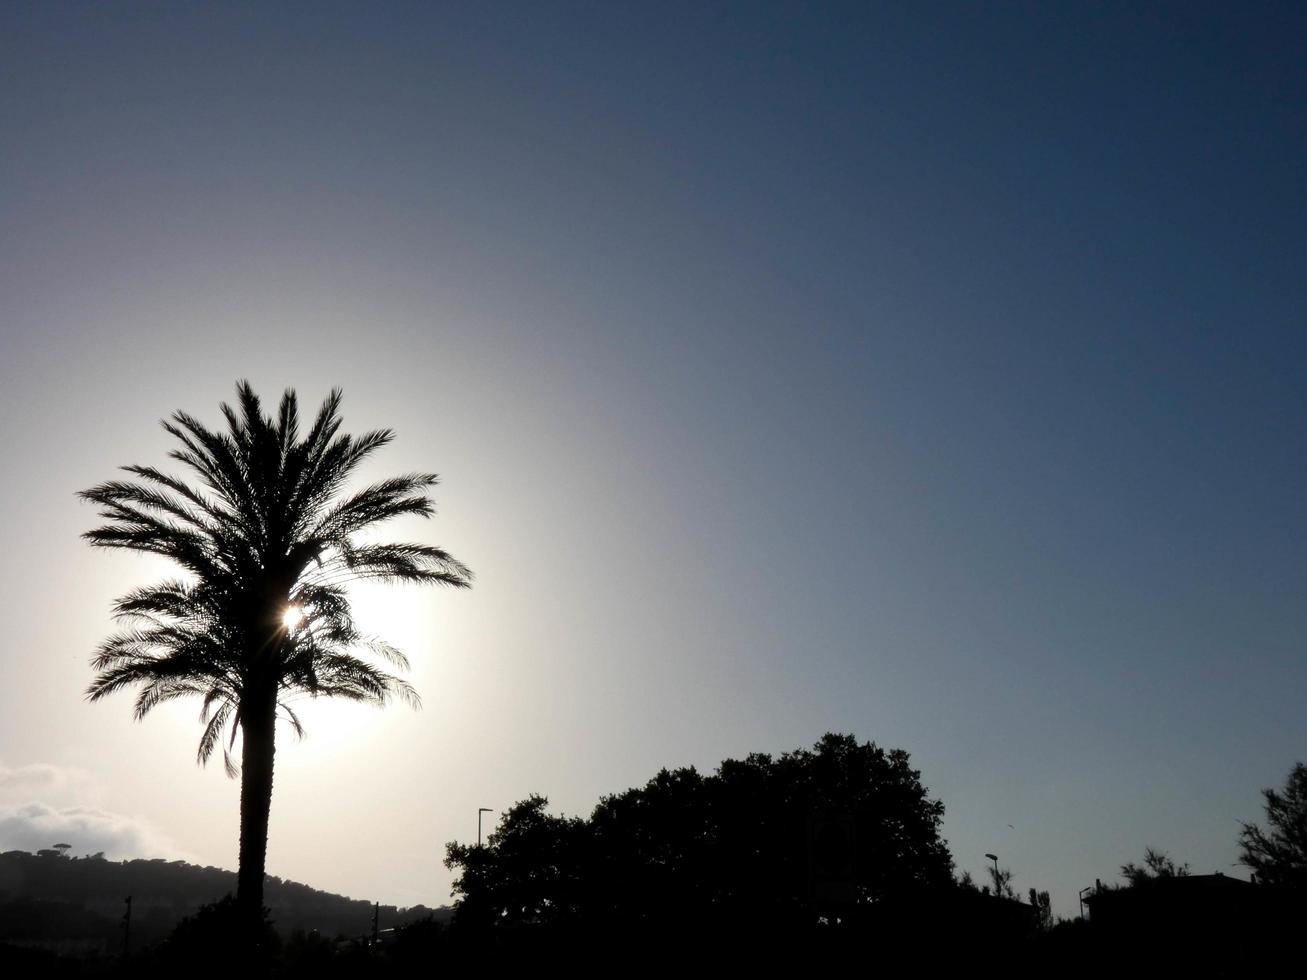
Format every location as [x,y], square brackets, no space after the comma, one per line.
[42,804]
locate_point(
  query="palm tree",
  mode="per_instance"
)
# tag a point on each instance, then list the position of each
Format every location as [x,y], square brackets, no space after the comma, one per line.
[268,541]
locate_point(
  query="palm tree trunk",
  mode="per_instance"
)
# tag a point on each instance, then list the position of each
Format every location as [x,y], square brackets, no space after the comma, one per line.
[258,722]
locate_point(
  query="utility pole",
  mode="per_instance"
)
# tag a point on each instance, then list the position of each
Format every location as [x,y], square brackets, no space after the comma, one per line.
[127,928]
[484,809]
[376,915]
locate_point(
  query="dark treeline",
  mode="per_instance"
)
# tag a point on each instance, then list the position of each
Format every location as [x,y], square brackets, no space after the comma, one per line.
[816,858]
[833,855]
[807,856]
[77,905]
[761,844]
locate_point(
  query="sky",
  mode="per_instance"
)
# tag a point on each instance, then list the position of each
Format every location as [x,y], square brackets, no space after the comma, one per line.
[929,372]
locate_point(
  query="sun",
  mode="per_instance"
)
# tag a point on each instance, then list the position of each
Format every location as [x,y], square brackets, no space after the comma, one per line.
[292,617]
[400,616]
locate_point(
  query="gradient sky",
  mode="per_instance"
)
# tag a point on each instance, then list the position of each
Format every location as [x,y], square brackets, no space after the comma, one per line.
[929,372]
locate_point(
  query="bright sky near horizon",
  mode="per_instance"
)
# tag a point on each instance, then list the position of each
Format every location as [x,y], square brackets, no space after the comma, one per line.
[931,372]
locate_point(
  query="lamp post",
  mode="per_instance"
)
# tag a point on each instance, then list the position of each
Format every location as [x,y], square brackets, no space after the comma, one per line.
[997,879]
[481,810]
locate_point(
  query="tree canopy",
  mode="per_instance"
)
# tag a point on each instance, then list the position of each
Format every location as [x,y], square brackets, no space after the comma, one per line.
[1157,864]
[1278,854]
[763,840]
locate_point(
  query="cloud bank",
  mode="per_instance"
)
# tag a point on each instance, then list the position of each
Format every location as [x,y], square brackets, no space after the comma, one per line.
[42,804]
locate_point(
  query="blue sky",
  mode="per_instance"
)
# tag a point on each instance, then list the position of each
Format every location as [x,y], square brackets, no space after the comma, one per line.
[931,372]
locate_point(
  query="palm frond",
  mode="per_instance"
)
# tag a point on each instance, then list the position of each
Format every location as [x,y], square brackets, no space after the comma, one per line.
[212,736]
[293,718]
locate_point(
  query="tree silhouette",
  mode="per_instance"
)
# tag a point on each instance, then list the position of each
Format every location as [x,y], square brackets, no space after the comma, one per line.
[1157,864]
[1279,854]
[528,872]
[267,541]
[766,845]
[1043,906]
[1001,881]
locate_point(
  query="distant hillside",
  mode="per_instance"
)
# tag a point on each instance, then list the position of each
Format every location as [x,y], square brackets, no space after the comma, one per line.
[77,904]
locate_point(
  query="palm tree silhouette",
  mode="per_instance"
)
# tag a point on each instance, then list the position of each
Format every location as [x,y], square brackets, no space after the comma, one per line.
[268,540]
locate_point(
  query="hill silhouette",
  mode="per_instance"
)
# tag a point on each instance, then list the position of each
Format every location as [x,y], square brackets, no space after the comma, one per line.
[75,905]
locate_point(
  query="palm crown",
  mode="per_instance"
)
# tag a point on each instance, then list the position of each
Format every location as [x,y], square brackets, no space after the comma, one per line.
[269,529]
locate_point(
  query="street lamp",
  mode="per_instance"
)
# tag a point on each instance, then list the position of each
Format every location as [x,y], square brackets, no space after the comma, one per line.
[997,879]
[481,810]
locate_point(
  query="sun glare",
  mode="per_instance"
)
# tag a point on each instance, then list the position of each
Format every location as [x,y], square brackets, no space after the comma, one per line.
[400,616]
[292,617]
